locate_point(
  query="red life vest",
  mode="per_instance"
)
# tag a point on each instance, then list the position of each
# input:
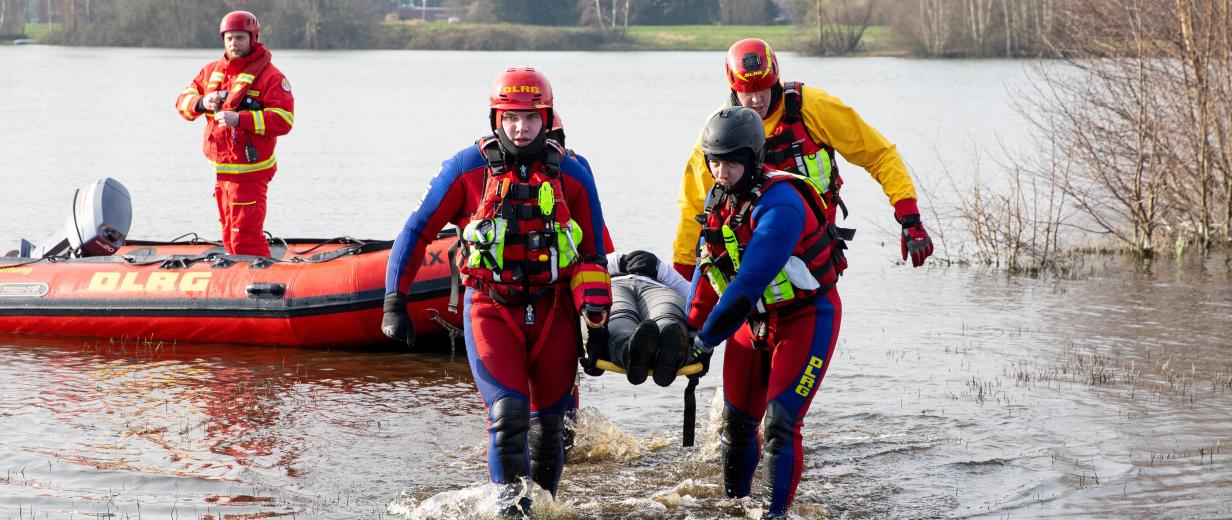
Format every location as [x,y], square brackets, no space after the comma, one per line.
[791,148]
[729,227]
[521,235]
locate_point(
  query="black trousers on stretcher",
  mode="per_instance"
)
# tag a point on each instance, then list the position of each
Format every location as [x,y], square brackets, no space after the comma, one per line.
[635,300]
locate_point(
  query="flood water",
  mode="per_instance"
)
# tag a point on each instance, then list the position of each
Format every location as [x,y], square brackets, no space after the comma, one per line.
[954,392]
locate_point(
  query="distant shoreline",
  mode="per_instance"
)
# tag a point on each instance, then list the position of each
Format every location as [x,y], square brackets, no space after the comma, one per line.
[878,41]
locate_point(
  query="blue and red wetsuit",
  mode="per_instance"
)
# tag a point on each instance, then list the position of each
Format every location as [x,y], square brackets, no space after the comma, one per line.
[778,376]
[523,355]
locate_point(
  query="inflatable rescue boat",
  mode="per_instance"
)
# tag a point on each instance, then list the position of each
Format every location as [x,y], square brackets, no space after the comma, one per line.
[308,292]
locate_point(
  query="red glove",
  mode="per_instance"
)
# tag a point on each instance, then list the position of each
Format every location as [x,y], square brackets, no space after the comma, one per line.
[915,241]
[685,270]
[592,292]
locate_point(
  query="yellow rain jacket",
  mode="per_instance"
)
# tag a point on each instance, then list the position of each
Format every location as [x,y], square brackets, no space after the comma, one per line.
[829,121]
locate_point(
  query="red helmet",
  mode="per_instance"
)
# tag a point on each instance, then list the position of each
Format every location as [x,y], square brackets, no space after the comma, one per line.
[751,66]
[521,88]
[556,131]
[240,21]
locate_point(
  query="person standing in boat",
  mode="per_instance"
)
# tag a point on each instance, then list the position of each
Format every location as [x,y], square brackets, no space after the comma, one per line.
[532,261]
[248,104]
[804,127]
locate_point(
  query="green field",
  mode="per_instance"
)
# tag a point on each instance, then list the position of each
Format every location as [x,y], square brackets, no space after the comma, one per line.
[37,30]
[877,39]
[710,37]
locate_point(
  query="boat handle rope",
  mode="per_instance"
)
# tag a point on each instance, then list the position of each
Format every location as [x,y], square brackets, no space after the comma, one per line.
[196,239]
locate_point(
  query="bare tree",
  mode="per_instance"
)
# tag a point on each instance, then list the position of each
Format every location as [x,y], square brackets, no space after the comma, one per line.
[615,19]
[935,25]
[1144,117]
[841,24]
[12,18]
[979,18]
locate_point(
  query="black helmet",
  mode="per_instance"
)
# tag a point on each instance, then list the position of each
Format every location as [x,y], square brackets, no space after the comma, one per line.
[733,129]
[736,134]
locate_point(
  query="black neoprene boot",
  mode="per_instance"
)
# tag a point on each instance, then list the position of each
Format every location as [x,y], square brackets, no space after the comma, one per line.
[643,345]
[673,347]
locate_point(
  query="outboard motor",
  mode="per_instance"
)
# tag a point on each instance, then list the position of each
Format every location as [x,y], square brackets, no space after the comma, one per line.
[20,248]
[101,215]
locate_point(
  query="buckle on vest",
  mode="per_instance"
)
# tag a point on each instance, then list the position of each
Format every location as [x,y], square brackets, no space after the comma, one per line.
[533,239]
[519,212]
[521,191]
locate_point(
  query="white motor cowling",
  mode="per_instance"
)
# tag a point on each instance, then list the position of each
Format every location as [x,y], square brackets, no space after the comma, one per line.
[101,215]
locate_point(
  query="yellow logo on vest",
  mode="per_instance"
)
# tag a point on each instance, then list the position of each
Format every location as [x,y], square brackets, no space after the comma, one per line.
[156,282]
[809,379]
[517,89]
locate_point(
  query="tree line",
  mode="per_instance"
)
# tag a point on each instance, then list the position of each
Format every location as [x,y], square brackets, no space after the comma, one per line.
[334,24]
[1133,145]
[306,24]
[938,28]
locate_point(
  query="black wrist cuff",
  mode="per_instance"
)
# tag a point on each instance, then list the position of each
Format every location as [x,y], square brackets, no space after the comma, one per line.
[394,302]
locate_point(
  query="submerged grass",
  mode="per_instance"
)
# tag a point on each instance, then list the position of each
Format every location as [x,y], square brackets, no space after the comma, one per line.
[1155,372]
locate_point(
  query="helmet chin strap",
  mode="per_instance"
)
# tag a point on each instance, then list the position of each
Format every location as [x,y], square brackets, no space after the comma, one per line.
[521,153]
[753,171]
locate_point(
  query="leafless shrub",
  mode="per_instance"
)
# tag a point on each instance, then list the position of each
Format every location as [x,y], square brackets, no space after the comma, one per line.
[841,25]
[1132,147]
[1143,119]
[977,27]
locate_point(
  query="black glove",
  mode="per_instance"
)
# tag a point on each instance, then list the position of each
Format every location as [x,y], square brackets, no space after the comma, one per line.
[640,263]
[699,352]
[397,322]
[596,349]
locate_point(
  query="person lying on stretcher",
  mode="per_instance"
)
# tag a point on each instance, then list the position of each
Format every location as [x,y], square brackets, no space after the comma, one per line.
[645,331]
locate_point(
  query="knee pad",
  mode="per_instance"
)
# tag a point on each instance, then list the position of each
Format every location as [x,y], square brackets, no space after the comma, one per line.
[739,450]
[738,429]
[509,418]
[546,450]
[778,426]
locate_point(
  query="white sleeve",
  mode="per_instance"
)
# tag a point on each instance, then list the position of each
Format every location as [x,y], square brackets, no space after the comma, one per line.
[613,263]
[669,277]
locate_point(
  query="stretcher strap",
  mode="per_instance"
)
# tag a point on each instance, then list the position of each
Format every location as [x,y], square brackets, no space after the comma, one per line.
[690,412]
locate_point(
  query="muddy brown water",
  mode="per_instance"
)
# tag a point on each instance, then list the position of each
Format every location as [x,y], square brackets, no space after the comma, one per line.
[954,392]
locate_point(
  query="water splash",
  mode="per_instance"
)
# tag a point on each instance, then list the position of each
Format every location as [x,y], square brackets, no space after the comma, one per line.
[600,440]
[480,501]
[688,494]
[708,440]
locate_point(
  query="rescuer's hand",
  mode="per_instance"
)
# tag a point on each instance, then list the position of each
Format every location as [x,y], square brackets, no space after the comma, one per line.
[699,352]
[596,349]
[396,324]
[227,118]
[915,242]
[212,101]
